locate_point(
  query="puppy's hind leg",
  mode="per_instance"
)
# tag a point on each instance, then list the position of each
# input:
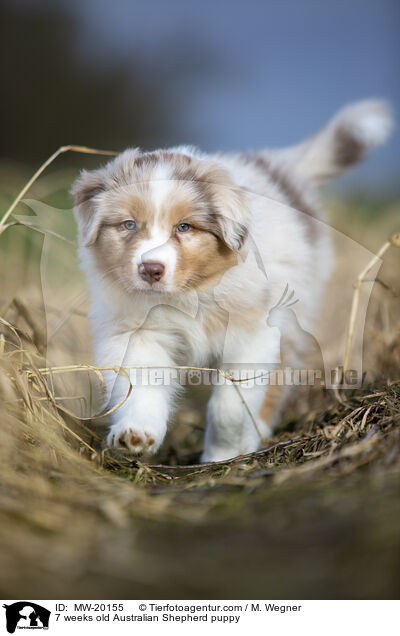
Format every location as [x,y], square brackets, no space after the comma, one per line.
[272,405]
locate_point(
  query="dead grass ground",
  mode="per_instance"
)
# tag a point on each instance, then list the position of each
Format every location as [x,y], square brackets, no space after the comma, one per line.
[314,515]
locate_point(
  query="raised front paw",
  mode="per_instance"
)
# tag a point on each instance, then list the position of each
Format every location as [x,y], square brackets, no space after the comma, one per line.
[134,439]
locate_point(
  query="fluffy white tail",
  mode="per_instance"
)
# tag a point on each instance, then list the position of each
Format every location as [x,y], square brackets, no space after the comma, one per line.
[346,139]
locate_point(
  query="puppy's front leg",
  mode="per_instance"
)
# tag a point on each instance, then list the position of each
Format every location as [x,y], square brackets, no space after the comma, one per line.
[231,431]
[140,424]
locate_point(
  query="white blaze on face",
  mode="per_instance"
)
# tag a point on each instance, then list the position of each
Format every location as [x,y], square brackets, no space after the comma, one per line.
[158,247]
[161,186]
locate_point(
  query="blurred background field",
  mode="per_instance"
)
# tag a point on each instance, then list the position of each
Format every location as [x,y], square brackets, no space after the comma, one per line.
[315,516]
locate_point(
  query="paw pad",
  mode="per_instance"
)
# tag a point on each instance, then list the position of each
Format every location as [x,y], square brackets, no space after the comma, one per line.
[135,442]
[135,439]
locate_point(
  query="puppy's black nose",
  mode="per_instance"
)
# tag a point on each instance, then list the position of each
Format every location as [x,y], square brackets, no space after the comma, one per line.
[151,272]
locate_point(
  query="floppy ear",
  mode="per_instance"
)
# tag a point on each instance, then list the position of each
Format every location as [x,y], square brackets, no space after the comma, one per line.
[229,205]
[231,217]
[85,190]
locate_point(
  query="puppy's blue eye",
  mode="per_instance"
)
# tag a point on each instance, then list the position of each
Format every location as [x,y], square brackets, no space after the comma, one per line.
[183,227]
[129,225]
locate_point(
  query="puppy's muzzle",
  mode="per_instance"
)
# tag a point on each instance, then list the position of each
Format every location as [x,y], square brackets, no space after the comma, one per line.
[151,272]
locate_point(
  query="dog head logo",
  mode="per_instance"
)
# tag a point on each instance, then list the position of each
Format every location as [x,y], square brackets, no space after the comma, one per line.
[26,615]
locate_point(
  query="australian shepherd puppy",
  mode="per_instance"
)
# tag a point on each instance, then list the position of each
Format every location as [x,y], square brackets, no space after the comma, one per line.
[186,255]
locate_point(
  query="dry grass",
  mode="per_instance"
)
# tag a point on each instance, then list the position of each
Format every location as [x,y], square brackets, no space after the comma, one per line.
[315,514]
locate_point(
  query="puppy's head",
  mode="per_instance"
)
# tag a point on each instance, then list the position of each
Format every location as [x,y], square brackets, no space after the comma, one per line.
[162,221]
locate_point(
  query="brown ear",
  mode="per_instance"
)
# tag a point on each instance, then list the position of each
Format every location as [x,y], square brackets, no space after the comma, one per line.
[234,232]
[228,202]
[231,213]
[85,190]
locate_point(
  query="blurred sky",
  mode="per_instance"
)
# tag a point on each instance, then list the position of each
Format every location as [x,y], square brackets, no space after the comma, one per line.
[250,73]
